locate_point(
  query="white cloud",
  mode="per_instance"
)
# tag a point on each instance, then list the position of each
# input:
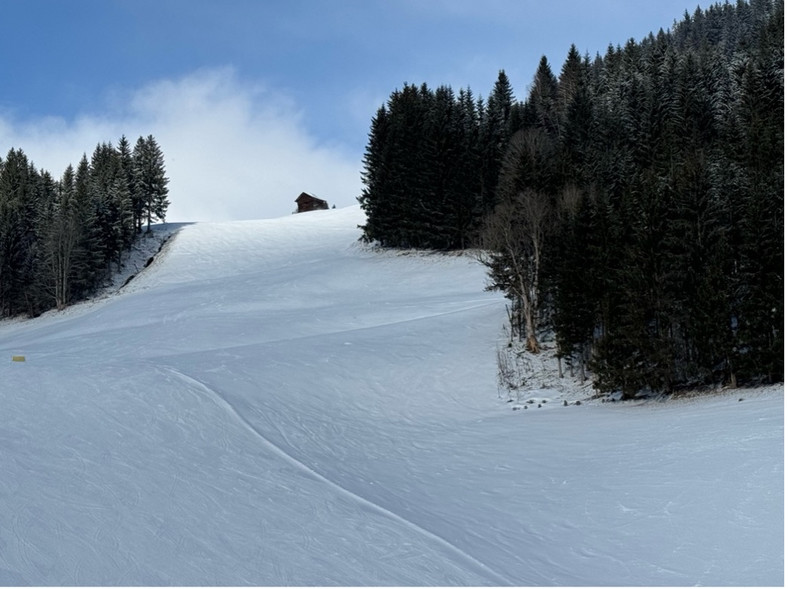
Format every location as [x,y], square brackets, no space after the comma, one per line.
[233,150]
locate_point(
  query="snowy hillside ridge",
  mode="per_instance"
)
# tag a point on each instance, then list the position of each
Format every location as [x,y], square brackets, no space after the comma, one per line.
[145,251]
[272,403]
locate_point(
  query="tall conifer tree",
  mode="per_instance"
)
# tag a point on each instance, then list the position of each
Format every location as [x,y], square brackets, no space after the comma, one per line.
[151,184]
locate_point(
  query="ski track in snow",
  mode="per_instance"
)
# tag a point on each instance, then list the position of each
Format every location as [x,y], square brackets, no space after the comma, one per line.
[482,569]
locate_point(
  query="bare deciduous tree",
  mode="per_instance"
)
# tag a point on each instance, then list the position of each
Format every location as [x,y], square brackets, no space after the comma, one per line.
[513,239]
[513,236]
[60,245]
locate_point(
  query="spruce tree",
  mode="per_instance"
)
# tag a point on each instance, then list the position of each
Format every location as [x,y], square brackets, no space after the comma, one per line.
[104,169]
[376,179]
[543,99]
[149,179]
[467,187]
[495,132]
[17,232]
[89,256]
[126,160]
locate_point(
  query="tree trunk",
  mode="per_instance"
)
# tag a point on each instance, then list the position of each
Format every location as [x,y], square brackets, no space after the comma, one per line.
[531,343]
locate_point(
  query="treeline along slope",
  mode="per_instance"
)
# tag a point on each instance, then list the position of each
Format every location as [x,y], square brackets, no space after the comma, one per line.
[633,203]
[60,239]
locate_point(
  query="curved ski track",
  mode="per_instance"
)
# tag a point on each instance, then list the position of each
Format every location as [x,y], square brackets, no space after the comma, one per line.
[216,397]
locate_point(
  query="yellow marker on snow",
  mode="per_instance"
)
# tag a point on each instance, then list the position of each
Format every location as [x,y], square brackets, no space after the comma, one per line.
[17,358]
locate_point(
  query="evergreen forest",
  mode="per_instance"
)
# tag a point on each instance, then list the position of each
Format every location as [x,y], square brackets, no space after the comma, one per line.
[631,204]
[61,239]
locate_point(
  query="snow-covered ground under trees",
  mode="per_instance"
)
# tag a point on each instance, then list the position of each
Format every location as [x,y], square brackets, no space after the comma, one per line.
[271,403]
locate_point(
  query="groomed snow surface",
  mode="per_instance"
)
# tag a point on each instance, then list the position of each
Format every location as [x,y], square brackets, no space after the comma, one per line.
[271,403]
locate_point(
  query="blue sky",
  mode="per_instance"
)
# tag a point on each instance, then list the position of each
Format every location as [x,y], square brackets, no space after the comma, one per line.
[254,101]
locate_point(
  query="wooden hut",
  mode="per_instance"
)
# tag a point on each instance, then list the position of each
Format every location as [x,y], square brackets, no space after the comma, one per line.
[309,202]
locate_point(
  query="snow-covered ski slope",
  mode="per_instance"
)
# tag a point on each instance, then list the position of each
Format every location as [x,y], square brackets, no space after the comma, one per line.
[270,403]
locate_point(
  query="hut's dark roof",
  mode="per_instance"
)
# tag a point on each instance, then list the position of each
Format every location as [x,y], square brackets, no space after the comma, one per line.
[306,196]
